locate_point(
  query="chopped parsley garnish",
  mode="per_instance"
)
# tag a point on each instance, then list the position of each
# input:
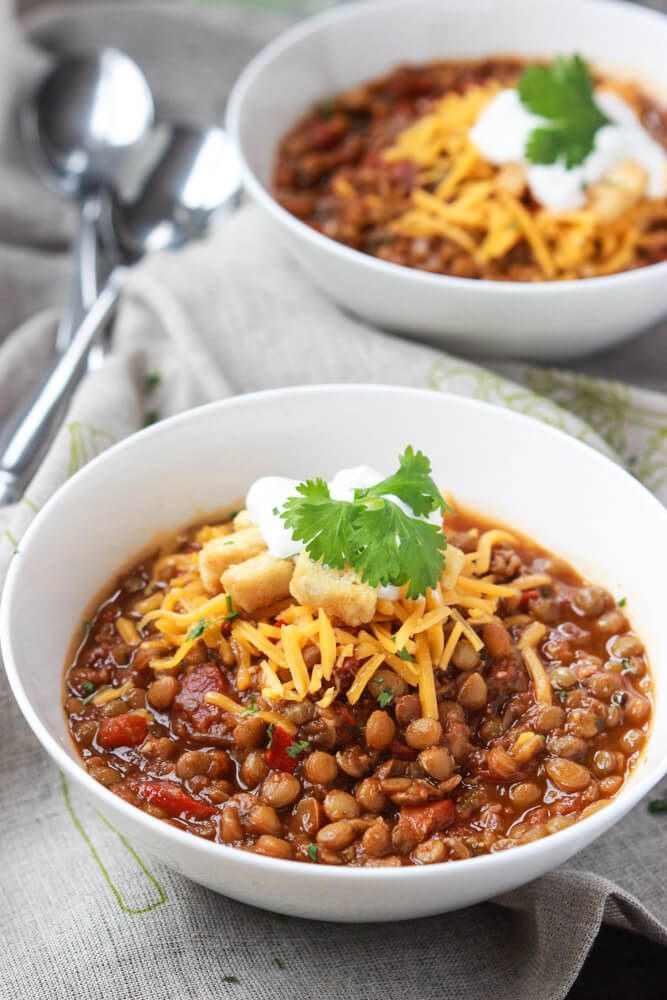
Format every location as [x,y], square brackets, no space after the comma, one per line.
[563,94]
[87,687]
[561,694]
[269,733]
[152,381]
[197,630]
[385,697]
[623,601]
[657,805]
[627,667]
[312,852]
[371,533]
[404,655]
[296,748]
[275,511]
[252,707]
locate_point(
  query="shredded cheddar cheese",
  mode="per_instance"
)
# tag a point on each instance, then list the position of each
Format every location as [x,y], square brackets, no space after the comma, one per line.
[415,638]
[476,206]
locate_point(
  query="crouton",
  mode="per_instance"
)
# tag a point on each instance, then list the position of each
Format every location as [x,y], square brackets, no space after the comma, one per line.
[511,178]
[242,520]
[454,559]
[618,191]
[258,581]
[229,550]
[339,592]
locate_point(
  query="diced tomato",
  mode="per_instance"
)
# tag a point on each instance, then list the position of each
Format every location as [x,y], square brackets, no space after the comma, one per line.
[191,713]
[423,821]
[122,731]
[527,597]
[276,754]
[170,797]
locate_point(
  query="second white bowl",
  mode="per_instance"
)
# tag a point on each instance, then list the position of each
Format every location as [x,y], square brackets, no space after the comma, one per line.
[350,45]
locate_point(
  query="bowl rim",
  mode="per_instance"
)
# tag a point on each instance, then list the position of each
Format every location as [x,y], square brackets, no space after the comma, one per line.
[595,823]
[347,255]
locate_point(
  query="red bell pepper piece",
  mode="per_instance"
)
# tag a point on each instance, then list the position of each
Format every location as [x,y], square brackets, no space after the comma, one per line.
[127,730]
[170,797]
[276,754]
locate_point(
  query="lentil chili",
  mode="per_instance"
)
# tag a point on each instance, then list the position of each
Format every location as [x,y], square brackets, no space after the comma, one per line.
[372,783]
[335,170]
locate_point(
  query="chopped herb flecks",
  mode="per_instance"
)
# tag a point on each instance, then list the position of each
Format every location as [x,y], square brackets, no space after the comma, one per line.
[404,655]
[385,697]
[296,748]
[312,852]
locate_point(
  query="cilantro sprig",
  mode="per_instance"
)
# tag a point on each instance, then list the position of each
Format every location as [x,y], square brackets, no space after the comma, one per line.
[563,94]
[372,533]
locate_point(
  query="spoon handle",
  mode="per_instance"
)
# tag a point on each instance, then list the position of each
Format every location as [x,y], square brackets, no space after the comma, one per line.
[32,426]
[82,291]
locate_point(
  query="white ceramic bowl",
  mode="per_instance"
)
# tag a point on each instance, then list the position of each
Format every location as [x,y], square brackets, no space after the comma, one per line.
[354,43]
[560,492]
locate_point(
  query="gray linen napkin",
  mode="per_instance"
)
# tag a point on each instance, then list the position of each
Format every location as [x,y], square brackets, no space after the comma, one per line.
[79,909]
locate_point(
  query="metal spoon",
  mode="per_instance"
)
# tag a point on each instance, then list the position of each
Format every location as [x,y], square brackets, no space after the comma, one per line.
[84,116]
[169,198]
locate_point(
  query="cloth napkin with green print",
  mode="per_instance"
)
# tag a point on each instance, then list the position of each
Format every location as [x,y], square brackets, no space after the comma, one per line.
[83,915]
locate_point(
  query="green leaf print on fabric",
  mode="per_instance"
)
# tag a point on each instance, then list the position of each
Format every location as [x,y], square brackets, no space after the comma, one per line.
[162,895]
[86,442]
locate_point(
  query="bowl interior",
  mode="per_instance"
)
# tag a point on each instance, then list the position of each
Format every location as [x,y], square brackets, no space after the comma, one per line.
[515,469]
[342,49]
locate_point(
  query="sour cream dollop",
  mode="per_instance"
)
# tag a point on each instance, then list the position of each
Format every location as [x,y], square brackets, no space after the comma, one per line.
[502,130]
[267,496]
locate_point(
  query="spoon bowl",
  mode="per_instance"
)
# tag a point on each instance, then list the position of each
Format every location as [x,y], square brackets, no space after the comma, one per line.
[84,116]
[168,190]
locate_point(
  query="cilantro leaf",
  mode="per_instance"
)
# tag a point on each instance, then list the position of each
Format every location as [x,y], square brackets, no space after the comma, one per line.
[385,697]
[405,550]
[312,852]
[296,748]
[372,533]
[252,707]
[325,525]
[87,687]
[411,483]
[563,94]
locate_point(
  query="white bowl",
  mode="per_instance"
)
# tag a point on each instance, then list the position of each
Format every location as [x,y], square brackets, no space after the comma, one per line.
[352,44]
[560,492]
